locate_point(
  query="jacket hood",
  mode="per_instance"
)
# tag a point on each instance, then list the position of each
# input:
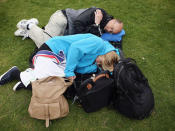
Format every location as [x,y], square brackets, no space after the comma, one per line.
[108,47]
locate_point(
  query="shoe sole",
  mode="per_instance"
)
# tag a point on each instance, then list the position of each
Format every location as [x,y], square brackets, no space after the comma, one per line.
[16,85]
[7,71]
[19,34]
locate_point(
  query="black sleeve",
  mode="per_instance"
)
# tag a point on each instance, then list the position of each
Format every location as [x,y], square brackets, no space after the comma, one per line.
[106,18]
[85,23]
[80,28]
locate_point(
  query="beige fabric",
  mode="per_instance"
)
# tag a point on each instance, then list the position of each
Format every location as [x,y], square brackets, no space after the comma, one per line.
[47,101]
[55,27]
[57,24]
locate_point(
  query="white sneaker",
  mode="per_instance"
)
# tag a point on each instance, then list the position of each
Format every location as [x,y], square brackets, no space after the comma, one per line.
[21,32]
[23,23]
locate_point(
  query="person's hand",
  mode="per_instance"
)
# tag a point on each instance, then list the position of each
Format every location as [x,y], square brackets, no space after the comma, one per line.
[72,77]
[98,16]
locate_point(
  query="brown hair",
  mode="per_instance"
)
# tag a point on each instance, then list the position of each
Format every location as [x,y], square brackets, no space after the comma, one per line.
[108,60]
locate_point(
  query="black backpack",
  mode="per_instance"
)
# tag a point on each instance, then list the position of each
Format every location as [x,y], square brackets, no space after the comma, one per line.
[133,96]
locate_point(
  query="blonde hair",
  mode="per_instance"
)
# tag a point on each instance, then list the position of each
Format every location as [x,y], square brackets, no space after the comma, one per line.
[108,60]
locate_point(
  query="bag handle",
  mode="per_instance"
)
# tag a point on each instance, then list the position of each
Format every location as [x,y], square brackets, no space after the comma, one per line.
[139,73]
[100,76]
[89,85]
[46,106]
[68,82]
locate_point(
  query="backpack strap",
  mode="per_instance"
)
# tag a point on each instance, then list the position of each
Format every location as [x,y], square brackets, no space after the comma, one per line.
[116,74]
[126,60]
[115,77]
[68,82]
[139,73]
[76,96]
[46,107]
[117,84]
[131,62]
[47,34]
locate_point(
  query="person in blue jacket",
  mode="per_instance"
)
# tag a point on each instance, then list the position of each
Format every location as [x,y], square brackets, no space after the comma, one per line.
[82,53]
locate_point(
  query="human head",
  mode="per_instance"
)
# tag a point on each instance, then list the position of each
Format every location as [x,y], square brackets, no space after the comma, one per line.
[108,60]
[114,26]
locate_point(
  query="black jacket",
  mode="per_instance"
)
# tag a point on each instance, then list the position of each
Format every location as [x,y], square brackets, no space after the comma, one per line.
[85,22]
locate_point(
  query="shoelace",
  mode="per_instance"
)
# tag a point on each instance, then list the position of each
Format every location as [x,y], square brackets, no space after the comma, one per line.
[25,36]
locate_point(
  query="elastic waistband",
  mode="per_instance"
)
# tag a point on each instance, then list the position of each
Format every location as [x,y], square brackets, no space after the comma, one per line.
[49,54]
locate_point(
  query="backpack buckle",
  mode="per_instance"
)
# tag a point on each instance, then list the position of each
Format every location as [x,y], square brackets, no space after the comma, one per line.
[75,99]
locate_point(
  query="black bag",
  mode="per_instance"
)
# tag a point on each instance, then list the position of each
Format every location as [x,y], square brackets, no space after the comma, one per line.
[70,93]
[93,94]
[133,96]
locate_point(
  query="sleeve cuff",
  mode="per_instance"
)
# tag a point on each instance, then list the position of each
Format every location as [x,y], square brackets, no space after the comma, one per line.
[69,74]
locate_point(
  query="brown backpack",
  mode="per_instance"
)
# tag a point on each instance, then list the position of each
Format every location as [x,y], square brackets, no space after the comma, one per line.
[47,101]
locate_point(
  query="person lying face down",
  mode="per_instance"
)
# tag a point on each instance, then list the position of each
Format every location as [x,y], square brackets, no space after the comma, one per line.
[63,56]
[81,51]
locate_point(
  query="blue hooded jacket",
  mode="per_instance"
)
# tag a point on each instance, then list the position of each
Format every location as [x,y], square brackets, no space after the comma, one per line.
[81,51]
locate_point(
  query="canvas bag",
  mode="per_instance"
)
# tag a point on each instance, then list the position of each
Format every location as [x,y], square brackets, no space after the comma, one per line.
[47,101]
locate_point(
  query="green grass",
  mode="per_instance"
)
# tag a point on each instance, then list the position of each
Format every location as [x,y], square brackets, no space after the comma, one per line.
[150,39]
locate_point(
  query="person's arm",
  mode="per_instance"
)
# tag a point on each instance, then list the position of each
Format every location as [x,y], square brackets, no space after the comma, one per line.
[98,16]
[87,23]
[73,58]
[77,50]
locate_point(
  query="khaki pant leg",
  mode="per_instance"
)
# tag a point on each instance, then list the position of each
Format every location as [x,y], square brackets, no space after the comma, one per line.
[37,35]
[55,27]
[57,24]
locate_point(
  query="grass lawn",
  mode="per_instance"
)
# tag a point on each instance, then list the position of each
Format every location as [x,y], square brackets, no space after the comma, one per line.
[150,39]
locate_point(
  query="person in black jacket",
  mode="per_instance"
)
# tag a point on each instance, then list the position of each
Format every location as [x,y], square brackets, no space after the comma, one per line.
[67,22]
[97,21]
